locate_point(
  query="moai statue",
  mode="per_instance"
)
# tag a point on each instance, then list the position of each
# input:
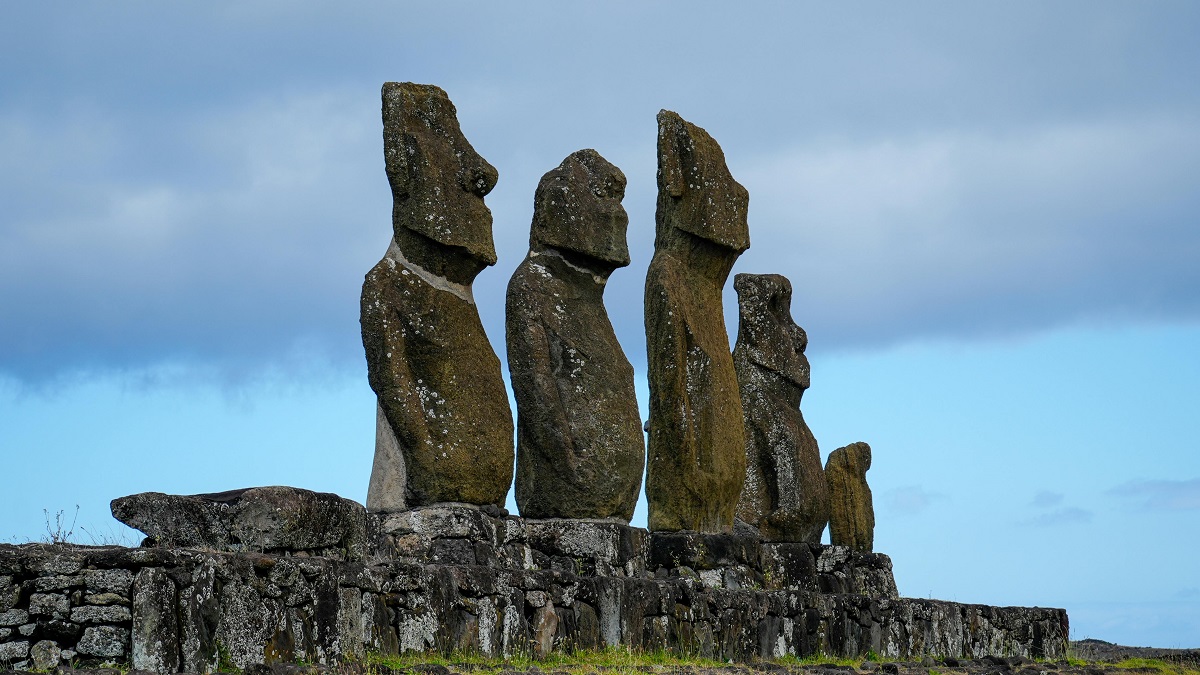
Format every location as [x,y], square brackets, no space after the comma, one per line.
[697,455]
[785,495]
[580,451]
[444,428]
[852,516]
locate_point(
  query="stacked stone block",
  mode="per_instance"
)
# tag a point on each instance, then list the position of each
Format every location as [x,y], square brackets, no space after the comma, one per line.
[172,610]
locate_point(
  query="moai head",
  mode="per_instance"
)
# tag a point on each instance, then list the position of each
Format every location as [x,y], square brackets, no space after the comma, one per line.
[696,193]
[577,208]
[766,330]
[857,458]
[438,180]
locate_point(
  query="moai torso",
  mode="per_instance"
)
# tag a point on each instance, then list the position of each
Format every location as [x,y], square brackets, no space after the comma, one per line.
[785,494]
[580,452]
[697,459]
[852,515]
[444,427]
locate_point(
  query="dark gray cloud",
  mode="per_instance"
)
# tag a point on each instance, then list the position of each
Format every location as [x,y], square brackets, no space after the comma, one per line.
[203,184]
[1161,495]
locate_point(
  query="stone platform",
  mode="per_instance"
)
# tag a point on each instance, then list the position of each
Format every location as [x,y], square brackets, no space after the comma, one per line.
[461,579]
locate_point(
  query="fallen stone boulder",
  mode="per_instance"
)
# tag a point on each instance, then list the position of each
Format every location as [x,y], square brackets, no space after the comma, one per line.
[262,519]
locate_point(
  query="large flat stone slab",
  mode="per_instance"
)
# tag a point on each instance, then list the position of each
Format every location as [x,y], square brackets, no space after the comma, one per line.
[262,519]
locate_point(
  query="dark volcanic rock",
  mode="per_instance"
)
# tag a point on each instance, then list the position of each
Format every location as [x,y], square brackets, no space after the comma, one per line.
[785,495]
[852,515]
[580,451]
[697,458]
[253,519]
[444,427]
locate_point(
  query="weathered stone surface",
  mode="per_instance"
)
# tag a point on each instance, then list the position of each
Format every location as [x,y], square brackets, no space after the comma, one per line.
[254,519]
[45,655]
[697,458]
[108,581]
[785,494]
[49,604]
[103,641]
[13,651]
[155,635]
[266,607]
[852,515]
[106,614]
[592,547]
[841,569]
[445,429]
[580,450]
[199,612]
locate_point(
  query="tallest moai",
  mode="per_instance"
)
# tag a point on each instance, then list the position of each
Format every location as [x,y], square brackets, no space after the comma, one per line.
[444,429]
[697,455]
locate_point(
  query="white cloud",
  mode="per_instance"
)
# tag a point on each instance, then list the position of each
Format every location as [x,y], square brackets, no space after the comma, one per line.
[975,231]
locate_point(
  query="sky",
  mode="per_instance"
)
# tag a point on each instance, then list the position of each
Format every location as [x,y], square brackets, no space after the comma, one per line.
[988,212]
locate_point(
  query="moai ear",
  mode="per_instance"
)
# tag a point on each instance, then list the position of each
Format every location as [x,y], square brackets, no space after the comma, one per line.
[670,169]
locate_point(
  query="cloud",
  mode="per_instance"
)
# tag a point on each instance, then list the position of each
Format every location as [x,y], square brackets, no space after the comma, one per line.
[166,204]
[979,233]
[249,248]
[1067,515]
[1161,495]
[911,499]
[1046,499]
[1052,514]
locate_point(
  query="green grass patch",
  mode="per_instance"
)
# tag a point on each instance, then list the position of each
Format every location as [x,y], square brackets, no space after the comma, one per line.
[1163,667]
[610,661]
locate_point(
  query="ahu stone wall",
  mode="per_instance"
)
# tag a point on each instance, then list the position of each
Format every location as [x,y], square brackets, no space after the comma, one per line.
[450,578]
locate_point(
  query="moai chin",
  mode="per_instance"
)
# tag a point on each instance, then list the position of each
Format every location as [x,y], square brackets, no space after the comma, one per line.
[580,451]
[444,429]
[697,457]
[852,514]
[785,494]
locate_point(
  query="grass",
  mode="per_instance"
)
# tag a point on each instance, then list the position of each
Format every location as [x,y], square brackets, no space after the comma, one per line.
[626,662]
[610,661]
[1163,667]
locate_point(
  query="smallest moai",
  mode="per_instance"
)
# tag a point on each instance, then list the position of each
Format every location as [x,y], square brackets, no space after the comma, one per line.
[852,516]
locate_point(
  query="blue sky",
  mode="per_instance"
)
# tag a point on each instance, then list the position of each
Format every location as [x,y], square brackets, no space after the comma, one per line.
[988,213]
